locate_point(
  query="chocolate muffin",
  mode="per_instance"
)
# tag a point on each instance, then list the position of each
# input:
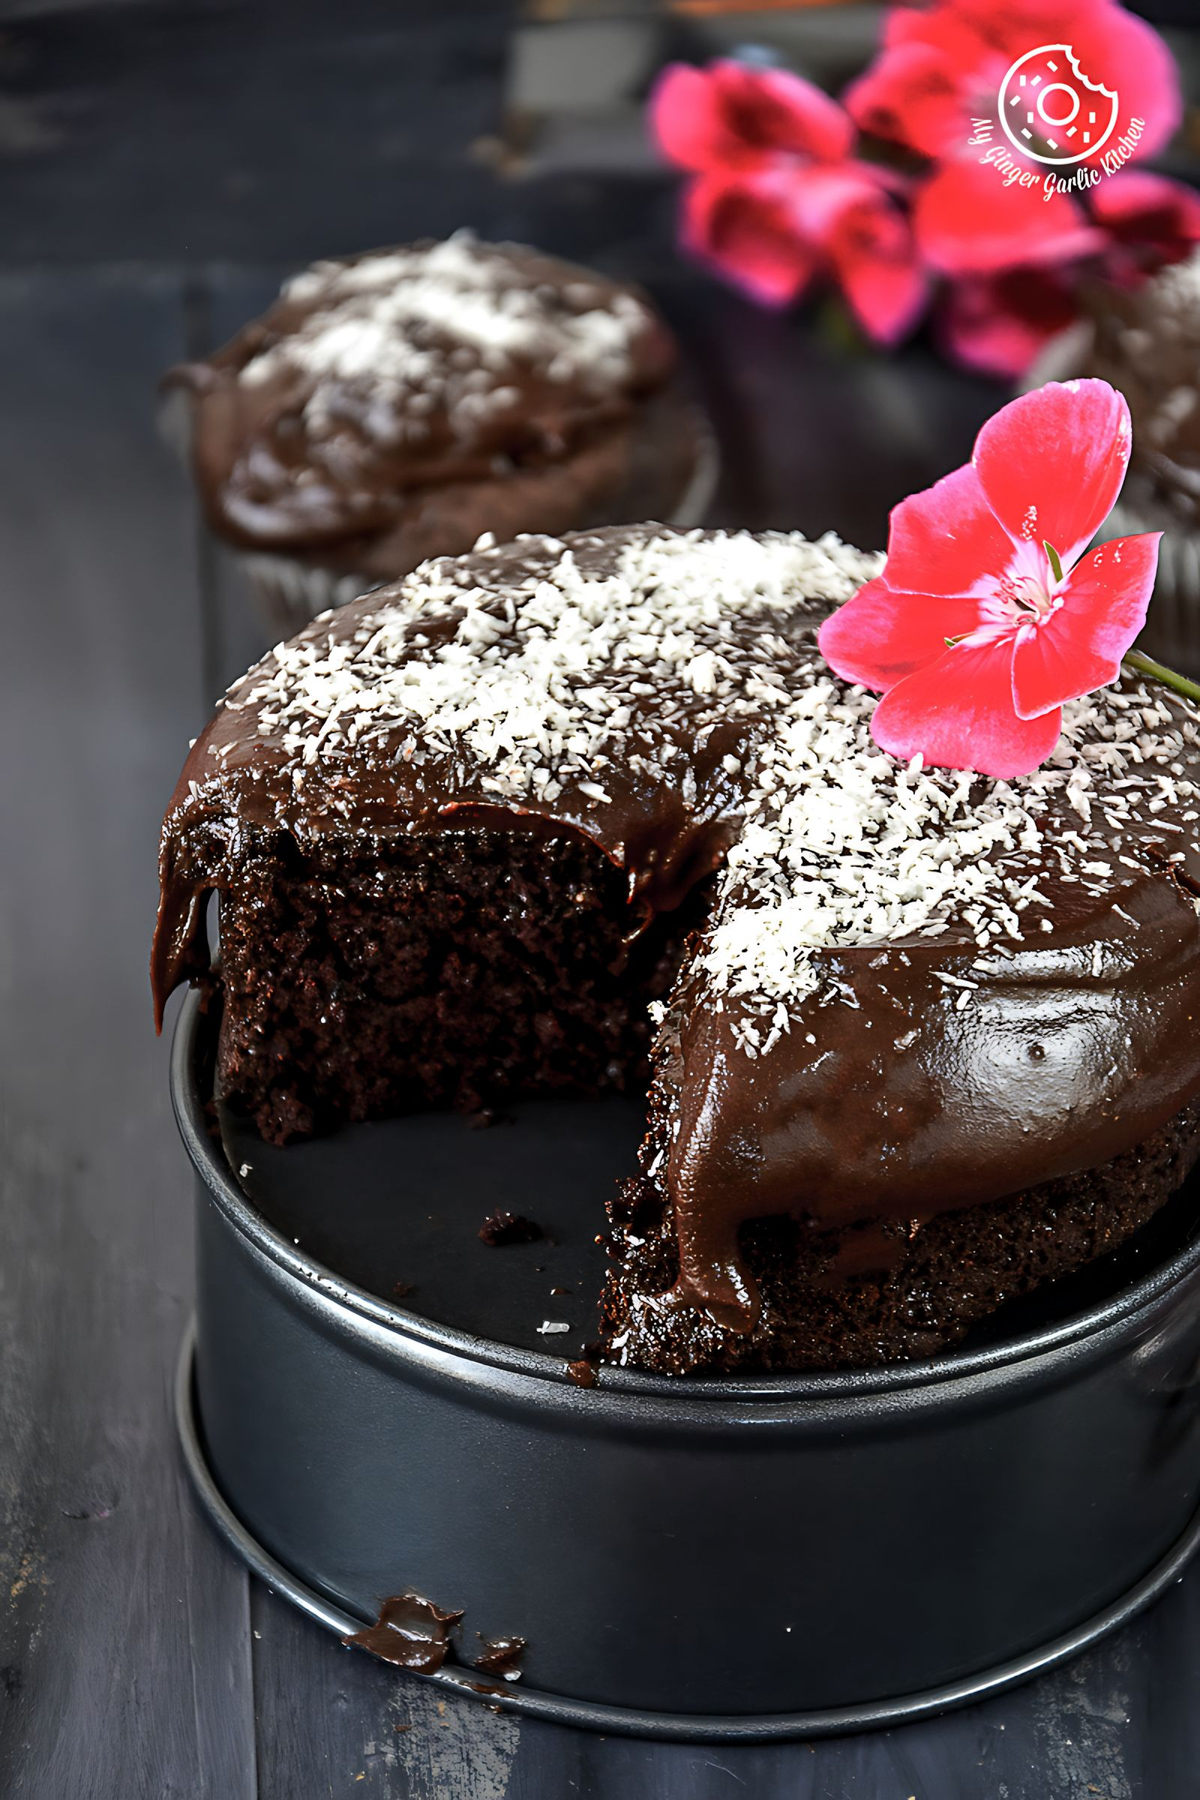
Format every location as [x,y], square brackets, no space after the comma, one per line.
[547,816]
[405,403]
[1146,342]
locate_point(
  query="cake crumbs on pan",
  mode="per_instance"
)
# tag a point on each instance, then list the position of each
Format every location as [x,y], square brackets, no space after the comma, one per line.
[554,676]
[503,1227]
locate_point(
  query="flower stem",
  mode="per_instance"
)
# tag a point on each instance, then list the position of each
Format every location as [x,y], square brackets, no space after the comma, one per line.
[1137,664]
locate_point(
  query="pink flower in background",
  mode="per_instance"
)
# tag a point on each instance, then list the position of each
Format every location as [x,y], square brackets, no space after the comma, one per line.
[935,87]
[744,227]
[731,117]
[1148,221]
[997,324]
[997,320]
[940,69]
[776,198]
[988,615]
[967,222]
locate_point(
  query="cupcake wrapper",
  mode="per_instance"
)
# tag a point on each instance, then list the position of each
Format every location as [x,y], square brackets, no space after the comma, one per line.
[288,594]
[697,497]
[176,423]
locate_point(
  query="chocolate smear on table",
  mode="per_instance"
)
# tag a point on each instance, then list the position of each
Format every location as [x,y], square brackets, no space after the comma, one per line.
[500,1656]
[410,1631]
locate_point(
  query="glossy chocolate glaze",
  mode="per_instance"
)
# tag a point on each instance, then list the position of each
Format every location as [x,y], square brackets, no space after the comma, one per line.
[410,1631]
[1055,1066]
[500,1656]
[354,471]
[919,1075]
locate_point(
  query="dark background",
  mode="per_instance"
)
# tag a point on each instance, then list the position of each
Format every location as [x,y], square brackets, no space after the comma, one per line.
[161,166]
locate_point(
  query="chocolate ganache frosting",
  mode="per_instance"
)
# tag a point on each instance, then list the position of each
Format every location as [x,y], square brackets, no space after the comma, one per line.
[914,990]
[398,404]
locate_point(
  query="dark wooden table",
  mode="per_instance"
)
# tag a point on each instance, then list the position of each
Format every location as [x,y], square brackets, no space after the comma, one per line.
[159,168]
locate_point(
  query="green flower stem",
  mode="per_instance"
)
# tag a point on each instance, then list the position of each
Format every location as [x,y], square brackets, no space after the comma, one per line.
[1137,664]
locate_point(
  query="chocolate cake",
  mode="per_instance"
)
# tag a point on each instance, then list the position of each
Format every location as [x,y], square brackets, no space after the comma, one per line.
[399,405]
[545,816]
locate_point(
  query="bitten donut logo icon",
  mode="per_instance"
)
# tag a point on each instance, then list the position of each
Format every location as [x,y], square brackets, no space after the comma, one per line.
[1051,111]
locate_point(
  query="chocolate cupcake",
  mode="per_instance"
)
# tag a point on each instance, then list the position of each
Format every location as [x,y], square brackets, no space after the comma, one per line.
[405,403]
[1146,342]
[564,814]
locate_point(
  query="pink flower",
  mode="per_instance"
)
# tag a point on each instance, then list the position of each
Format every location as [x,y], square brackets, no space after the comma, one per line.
[941,67]
[968,222]
[988,615]
[998,323]
[1149,221]
[744,226]
[732,117]
[935,87]
[777,200]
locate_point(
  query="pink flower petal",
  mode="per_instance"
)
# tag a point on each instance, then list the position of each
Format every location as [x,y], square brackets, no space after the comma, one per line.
[733,118]
[958,713]
[913,94]
[823,193]
[1143,204]
[847,212]
[1126,54]
[785,113]
[946,540]
[745,227]
[1051,464]
[688,121]
[941,66]
[883,283]
[1079,647]
[1150,220]
[998,323]
[879,636]
[968,222]
[874,258]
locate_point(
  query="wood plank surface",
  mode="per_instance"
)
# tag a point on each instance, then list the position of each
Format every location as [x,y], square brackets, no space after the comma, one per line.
[123,1633]
[160,167]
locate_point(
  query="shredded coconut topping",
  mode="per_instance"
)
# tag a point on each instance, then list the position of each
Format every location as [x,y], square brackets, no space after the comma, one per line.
[692,657]
[451,325]
[845,846]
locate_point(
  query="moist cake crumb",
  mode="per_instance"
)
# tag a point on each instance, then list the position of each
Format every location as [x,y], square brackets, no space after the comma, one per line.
[509,1228]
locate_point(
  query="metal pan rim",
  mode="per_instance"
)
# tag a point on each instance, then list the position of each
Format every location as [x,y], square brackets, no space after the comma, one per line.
[1094,1332]
[689,1728]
